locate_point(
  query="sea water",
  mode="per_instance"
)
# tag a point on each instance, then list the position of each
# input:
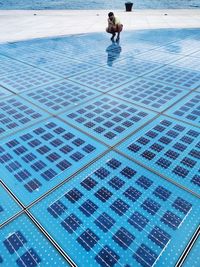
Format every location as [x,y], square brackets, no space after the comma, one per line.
[97,4]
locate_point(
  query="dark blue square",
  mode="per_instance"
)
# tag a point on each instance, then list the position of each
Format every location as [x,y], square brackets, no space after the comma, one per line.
[53,157]
[123,238]
[89,183]
[71,223]
[103,194]
[159,237]
[133,147]
[88,239]
[196,180]
[63,165]
[171,219]
[128,172]
[138,221]
[180,171]
[119,206]
[32,185]
[144,182]
[104,222]
[77,156]
[132,193]
[73,195]
[107,257]
[56,209]
[113,163]
[22,175]
[14,242]
[182,205]
[150,206]
[66,149]
[116,183]
[145,256]
[102,173]
[162,193]
[88,207]
[148,155]
[88,148]
[1,209]
[30,258]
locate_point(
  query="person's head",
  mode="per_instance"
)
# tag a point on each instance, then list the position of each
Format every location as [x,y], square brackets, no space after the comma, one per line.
[111,15]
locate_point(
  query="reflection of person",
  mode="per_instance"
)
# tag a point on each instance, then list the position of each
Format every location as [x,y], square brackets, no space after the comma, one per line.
[113,51]
[114,26]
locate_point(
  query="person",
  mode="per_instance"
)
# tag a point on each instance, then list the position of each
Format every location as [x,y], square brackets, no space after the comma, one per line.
[114,26]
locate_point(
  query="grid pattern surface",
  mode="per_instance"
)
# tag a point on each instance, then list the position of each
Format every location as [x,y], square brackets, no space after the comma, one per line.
[193,258]
[159,56]
[187,109]
[66,68]
[42,156]
[95,215]
[136,67]
[175,76]
[4,92]
[8,207]
[16,113]
[172,148]
[27,80]
[99,150]
[108,118]
[151,94]
[103,80]
[60,96]
[19,246]
[9,66]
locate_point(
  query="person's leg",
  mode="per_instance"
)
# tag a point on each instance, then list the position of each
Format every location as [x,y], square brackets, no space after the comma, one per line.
[119,29]
[112,31]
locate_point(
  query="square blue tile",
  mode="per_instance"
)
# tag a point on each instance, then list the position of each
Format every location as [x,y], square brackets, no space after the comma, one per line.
[107,118]
[196,54]
[35,160]
[187,110]
[27,80]
[16,114]
[193,258]
[159,56]
[59,96]
[8,206]
[22,244]
[135,67]
[4,92]
[102,79]
[90,226]
[148,93]
[186,46]
[67,68]
[188,63]
[174,76]
[170,148]
[9,66]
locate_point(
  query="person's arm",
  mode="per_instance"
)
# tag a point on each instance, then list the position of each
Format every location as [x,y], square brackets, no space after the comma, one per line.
[110,22]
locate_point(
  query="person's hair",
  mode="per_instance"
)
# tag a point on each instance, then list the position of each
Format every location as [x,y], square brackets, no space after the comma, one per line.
[110,14]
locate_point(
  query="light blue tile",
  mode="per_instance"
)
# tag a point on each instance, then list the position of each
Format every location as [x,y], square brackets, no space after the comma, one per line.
[107,118]
[170,148]
[89,213]
[22,244]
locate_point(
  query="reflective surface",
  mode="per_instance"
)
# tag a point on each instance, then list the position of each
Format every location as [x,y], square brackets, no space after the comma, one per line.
[100,149]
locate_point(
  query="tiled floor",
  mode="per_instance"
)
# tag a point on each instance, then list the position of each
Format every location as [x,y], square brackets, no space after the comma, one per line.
[100,150]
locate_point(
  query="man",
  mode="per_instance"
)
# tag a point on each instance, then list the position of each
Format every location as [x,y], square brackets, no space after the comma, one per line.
[114,26]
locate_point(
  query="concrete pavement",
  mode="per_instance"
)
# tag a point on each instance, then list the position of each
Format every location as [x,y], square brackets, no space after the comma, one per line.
[21,24]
